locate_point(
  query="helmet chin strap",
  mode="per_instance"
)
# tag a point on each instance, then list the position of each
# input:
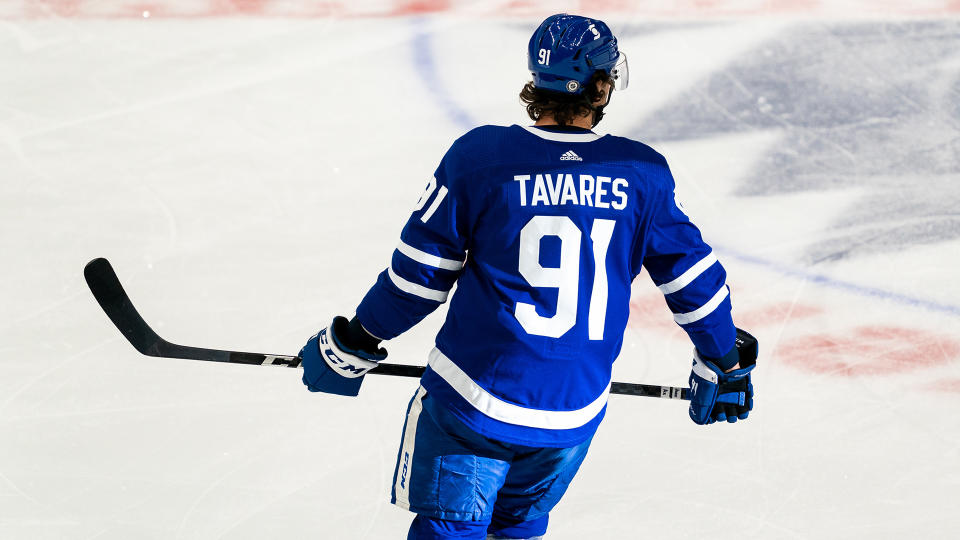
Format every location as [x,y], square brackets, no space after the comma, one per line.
[597,115]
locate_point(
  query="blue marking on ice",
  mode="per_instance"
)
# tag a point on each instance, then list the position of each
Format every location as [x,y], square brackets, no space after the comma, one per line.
[849,286]
[426,68]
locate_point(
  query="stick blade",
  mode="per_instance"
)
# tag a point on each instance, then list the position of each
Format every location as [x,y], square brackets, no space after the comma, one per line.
[109,293]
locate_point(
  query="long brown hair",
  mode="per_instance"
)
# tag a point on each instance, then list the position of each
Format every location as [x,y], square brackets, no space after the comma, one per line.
[565,107]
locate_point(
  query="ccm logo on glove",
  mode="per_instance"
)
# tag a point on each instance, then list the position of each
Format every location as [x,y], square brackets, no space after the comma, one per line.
[337,357]
[346,369]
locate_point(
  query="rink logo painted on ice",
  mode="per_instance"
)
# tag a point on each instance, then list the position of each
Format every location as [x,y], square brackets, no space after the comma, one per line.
[570,155]
[868,350]
[876,350]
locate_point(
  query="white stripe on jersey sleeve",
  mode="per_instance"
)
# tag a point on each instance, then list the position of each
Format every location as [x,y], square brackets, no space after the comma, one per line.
[416,289]
[687,277]
[428,259]
[496,408]
[704,310]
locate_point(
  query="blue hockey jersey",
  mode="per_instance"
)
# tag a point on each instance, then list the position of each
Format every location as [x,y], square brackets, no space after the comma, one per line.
[543,230]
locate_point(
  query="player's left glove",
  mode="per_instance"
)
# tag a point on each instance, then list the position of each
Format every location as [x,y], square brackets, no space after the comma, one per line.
[716,394]
[336,359]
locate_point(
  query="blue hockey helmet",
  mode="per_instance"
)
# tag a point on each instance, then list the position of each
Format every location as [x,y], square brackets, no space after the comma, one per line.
[566,50]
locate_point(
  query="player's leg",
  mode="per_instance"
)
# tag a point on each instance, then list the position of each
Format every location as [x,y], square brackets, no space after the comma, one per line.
[504,527]
[446,473]
[537,480]
[424,527]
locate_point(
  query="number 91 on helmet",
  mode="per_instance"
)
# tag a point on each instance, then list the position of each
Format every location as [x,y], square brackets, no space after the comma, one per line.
[566,50]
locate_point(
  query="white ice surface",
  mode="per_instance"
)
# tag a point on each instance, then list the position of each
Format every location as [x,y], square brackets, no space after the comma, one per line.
[248,178]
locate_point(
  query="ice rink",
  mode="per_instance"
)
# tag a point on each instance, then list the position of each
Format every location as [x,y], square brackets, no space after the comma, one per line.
[247,167]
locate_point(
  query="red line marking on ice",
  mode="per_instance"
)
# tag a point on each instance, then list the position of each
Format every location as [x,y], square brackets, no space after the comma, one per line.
[240,7]
[650,312]
[60,8]
[798,6]
[595,6]
[868,350]
[420,7]
[683,9]
[775,313]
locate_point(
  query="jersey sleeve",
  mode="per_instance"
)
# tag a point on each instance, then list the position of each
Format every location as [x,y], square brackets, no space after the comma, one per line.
[428,259]
[687,272]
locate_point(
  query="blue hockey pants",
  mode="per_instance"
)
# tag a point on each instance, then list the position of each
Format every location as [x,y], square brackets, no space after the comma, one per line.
[464,485]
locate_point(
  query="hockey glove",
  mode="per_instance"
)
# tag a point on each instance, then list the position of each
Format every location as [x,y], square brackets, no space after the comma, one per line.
[336,359]
[717,395]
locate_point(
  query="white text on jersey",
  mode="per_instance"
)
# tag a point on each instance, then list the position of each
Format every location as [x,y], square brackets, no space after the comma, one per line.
[561,189]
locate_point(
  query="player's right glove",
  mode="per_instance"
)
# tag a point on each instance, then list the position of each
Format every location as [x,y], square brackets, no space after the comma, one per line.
[717,395]
[336,358]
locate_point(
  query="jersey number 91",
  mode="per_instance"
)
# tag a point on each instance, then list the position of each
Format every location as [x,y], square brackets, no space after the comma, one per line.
[566,277]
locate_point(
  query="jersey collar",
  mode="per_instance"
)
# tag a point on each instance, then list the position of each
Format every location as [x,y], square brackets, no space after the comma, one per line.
[564,136]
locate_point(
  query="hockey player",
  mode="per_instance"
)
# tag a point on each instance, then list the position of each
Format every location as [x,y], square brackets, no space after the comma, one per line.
[543,228]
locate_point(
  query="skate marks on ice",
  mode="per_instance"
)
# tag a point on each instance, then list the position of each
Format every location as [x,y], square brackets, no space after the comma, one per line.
[872,105]
[855,107]
[824,340]
[866,109]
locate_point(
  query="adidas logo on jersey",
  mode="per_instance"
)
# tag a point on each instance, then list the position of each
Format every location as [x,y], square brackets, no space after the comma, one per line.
[569,155]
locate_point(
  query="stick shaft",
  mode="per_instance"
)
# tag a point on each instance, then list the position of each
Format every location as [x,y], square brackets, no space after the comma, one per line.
[113,299]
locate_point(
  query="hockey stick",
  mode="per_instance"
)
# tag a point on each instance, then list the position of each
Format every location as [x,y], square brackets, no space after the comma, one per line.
[106,288]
